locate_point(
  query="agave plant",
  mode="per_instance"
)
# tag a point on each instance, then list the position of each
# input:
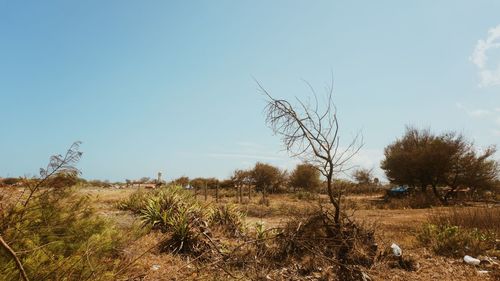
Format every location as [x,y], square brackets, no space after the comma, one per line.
[188,229]
[153,214]
[229,218]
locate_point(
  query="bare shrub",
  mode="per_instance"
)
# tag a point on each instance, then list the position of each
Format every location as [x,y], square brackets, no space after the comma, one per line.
[310,246]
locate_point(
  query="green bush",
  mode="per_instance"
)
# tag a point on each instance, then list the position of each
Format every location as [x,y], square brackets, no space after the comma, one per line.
[456,241]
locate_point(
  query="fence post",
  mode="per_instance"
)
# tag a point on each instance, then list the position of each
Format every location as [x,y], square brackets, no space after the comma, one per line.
[217,193]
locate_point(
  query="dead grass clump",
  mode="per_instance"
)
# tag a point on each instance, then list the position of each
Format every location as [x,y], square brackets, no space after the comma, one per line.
[481,218]
[461,231]
[305,195]
[264,201]
[413,201]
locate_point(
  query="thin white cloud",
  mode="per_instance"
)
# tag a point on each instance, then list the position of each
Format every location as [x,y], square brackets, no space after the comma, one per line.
[495,132]
[250,145]
[242,156]
[474,112]
[489,73]
[491,115]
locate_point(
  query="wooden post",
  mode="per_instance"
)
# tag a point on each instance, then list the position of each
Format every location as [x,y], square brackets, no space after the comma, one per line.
[217,193]
[249,192]
[205,191]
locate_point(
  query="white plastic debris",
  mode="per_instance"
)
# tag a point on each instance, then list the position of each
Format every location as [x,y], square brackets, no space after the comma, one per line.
[155,267]
[396,250]
[481,272]
[470,260]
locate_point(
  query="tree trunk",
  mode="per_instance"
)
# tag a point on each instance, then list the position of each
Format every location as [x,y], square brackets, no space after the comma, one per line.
[442,199]
[264,195]
[333,200]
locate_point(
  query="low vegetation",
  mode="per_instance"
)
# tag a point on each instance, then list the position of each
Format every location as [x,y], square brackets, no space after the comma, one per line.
[463,231]
[55,234]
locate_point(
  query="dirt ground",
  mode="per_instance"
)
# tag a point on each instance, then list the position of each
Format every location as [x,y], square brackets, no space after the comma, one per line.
[392,226]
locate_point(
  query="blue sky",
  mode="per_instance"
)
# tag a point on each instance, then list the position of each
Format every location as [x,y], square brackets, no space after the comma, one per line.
[167,86]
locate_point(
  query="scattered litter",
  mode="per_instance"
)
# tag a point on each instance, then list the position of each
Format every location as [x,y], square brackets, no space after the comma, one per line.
[155,267]
[396,250]
[481,272]
[472,261]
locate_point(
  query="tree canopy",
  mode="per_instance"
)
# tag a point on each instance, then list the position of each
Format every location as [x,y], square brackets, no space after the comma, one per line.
[267,177]
[305,176]
[423,159]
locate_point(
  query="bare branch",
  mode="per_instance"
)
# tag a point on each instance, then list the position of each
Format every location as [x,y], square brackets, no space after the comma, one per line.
[311,133]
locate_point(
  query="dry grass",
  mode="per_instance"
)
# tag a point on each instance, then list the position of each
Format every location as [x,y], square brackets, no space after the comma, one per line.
[397,225]
[462,231]
[481,218]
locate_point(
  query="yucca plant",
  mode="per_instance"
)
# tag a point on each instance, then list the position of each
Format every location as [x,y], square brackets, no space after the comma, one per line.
[188,231]
[229,218]
[135,202]
[154,215]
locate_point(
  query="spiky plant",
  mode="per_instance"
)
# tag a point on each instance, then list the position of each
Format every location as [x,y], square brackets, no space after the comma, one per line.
[229,218]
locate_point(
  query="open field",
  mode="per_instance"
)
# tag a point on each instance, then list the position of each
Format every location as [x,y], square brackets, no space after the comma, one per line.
[399,226]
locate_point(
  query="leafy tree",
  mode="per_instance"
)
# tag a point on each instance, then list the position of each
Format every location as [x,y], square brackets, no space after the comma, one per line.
[267,178]
[144,180]
[305,176]
[419,158]
[474,170]
[422,159]
[181,181]
[240,179]
[363,176]
[199,183]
